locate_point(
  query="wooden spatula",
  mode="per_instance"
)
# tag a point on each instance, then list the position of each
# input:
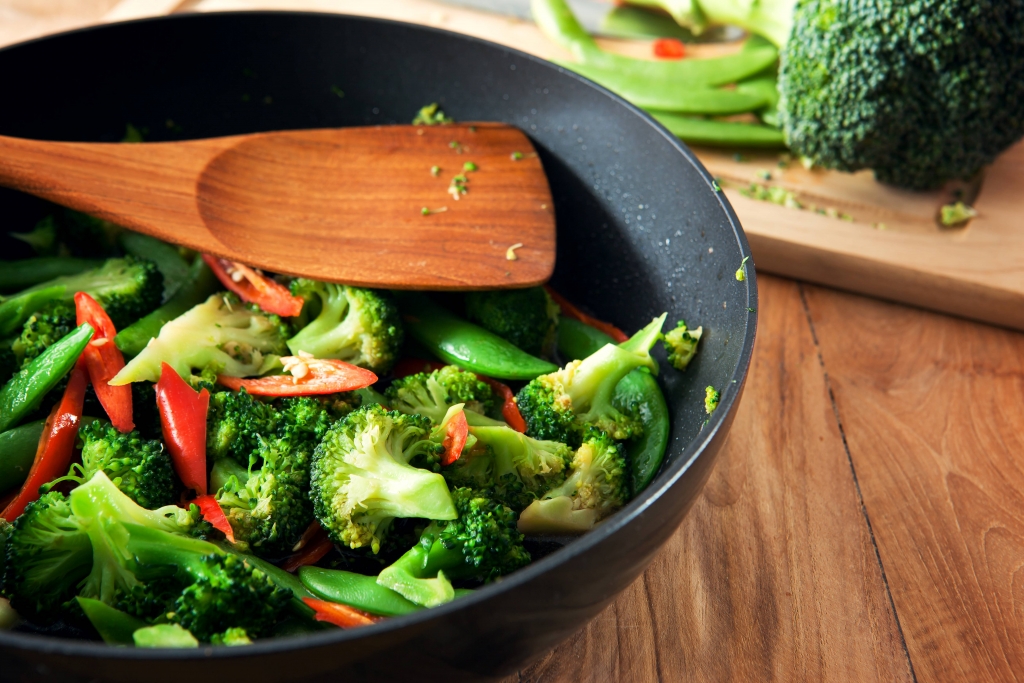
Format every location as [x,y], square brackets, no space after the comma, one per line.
[413,207]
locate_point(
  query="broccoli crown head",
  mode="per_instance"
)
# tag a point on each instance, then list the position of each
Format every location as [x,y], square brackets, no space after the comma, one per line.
[361,477]
[522,468]
[921,91]
[353,324]
[432,393]
[231,638]
[43,328]
[528,318]
[239,339]
[271,508]
[235,423]
[485,535]
[304,420]
[47,554]
[140,467]
[681,345]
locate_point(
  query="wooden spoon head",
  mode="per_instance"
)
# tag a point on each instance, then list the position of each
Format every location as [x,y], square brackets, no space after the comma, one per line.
[347,205]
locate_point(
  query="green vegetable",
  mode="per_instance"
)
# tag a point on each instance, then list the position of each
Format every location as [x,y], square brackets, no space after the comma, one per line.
[464,344]
[42,329]
[362,480]
[432,393]
[240,339]
[17,451]
[167,258]
[113,625]
[16,310]
[481,544]
[711,398]
[955,214]
[233,637]
[164,635]
[681,345]
[558,406]
[200,284]
[72,233]
[24,391]
[17,275]
[526,317]
[355,590]
[712,132]
[353,324]
[431,115]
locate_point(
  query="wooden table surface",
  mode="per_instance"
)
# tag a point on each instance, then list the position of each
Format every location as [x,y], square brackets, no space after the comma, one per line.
[865,521]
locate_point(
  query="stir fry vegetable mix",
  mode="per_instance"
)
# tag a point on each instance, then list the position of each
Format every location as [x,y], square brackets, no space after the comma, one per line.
[181,464]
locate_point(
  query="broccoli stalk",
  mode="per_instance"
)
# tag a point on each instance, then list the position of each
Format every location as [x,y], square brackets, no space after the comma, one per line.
[480,545]
[558,406]
[238,340]
[362,480]
[596,487]
[359,326]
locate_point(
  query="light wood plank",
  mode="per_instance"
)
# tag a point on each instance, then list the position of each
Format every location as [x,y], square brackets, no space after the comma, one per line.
[933,414]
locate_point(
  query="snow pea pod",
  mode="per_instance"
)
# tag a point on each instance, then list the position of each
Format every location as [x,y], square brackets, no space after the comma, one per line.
[710,132]
[18,275]
[462,343]
[17,451]
[359,591]
[23,392]
[638,393]
[113,625]
[200,284]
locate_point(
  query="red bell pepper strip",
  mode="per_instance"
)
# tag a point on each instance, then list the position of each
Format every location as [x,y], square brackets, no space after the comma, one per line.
[338,614]
[255,287]
[53,455]
[183,423]
[669,48]
[509,407]
[414,366]
[213,514]
[312,547]
[103,360]
[455,438]
[309,377]
[570,310]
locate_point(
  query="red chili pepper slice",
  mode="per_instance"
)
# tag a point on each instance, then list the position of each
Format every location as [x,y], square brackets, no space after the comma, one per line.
[103,360]
[313,545]
[414,366]
[570,310]
[509,407]
[183,423]
[309,377]
[53,455]
[338,614]
[214,514]
[255,287]
[669,48]
[455,438]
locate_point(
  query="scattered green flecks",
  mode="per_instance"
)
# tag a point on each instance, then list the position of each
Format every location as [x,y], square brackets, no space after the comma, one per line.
[517,156]
[457,187]
[715,186]
[435,171]
[773,194]
[881,226]
[741,272]
[456,145]
[751,310]
[469,166]
[784,161]
[711,398]
[427,211]
[432,115]
[764,174]
[738,157]
[956,215]
[337,91]
[807,162]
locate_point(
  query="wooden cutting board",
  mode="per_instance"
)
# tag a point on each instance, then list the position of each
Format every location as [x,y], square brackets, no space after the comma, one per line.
[877,240]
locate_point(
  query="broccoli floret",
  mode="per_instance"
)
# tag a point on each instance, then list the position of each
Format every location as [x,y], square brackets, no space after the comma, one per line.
[482,544]
[681,345]
[558,406]
[43,328]
[528,318]
[140,468]
[231,638]
[235,422]
[269,508]
[305,420]
[356,325]
[362,480]
[241,340]
[711,398]
[597,486]
[432,393]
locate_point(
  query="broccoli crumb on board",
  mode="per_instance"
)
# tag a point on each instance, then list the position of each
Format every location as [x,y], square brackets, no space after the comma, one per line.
[956,214]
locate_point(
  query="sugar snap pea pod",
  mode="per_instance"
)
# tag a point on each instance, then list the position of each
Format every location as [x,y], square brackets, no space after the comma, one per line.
[638,393]
[462,343]
[168,260]
[23,392]
[681,99]
[24,273]
[201,284]
[355,590]
[722,133]
[19,308]
[113,625]
[17,451]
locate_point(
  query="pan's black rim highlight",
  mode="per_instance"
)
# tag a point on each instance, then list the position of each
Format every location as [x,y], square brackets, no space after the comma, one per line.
[663,482]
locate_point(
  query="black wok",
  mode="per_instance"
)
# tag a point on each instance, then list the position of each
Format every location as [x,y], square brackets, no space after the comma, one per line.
[641,230]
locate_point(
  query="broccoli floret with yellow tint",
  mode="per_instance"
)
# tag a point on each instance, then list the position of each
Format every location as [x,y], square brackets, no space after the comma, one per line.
[681,345]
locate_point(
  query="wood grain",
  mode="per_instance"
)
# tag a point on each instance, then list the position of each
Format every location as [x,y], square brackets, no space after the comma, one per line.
[932,411]
[333,204]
